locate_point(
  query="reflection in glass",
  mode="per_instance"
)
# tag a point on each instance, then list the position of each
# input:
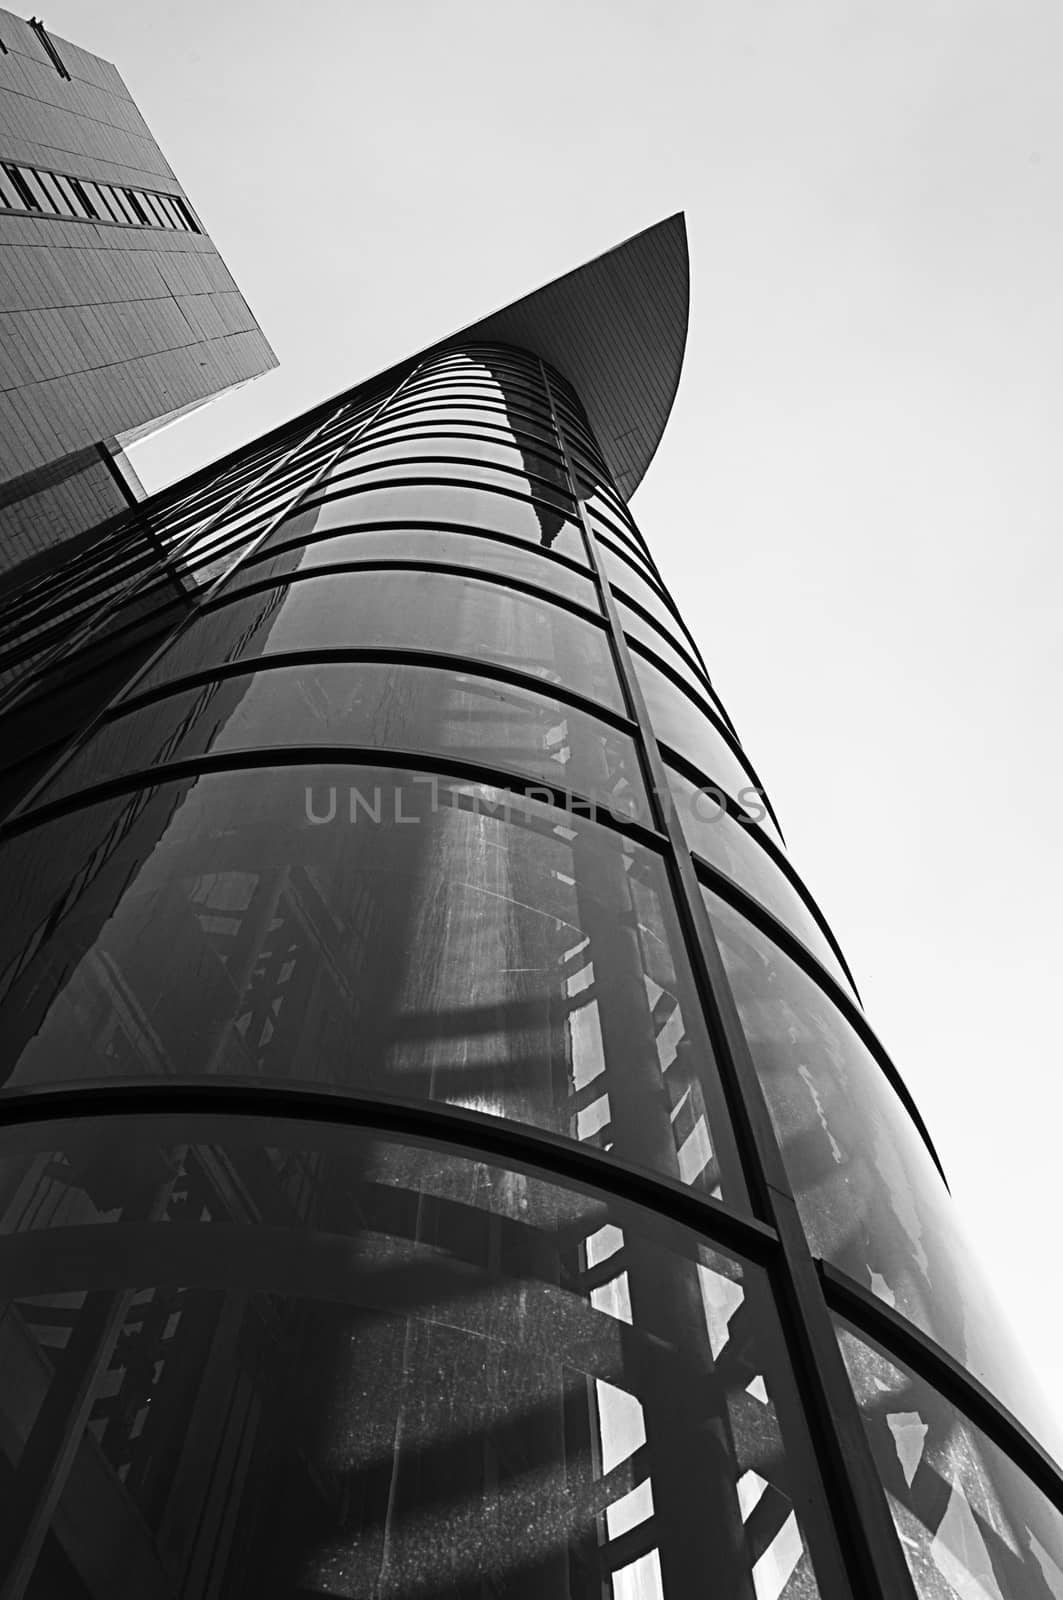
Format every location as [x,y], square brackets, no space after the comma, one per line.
[534,520]
[679,721]
[728,844]
[320,1362]
[359,475]
[623,578]
[365,928]
[371,705]
[432,610]
[418,546]
[871,1199]
[412,445]
[972,1526]
[441,414]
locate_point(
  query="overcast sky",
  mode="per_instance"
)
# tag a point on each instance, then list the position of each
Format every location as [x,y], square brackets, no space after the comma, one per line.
[857,496]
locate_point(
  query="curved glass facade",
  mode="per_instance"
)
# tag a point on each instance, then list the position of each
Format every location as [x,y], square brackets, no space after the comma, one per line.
[442,1151]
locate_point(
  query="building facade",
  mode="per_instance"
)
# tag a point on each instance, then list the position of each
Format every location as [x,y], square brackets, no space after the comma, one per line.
[442,1148]
[116,311]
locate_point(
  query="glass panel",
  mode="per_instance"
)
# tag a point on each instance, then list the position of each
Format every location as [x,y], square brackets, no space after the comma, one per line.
[425,610]
[680,722]
[622,576]
[361,474]
[416,545]
[366,928]
[513,443]
[638,628]
[376,706]
[464,445]
[321,1362]
[634,551]
[440,415]
[511,394]
[971,1524]
[501,388]
[536,521]
[727,844]
[870,1197]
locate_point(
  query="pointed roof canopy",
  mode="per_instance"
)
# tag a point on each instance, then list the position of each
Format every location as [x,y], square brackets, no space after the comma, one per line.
[616,329]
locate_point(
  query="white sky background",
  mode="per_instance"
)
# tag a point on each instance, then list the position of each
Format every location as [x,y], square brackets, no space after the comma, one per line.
[857,497]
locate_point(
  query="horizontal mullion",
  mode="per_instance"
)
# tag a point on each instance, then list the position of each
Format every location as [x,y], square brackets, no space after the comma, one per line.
[599,523]
[714,718]
[434,1123]
[779,859]
[505,389]
[902,1338]
[328,492]
[354,470]
[434,408]
[510,438]
[362,757]
[489,535]
[691,770]
[628,553]
[710,706]
[688,650]
[696,666]
[447,568]
[382,655]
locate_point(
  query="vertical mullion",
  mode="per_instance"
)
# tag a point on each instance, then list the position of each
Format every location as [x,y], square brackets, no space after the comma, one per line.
[857,1503]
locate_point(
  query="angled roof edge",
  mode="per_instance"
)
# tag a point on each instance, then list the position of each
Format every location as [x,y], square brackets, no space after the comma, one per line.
[616,328]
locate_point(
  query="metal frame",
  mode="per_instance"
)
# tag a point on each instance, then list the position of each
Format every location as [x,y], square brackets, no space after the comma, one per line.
[864,1528]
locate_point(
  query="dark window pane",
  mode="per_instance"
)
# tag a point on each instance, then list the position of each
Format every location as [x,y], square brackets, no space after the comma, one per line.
[477,416]
[343,1366]
[464,445]
[363,473]
[103,200]
[357,926]
[870,1197]
[436,611]
[418,545]
[970,1523]
[514,443]
[58,199]
[504,391]
[538,522]
[678,721]
[169,208]
[385,706]
[36,194]
[728,844]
